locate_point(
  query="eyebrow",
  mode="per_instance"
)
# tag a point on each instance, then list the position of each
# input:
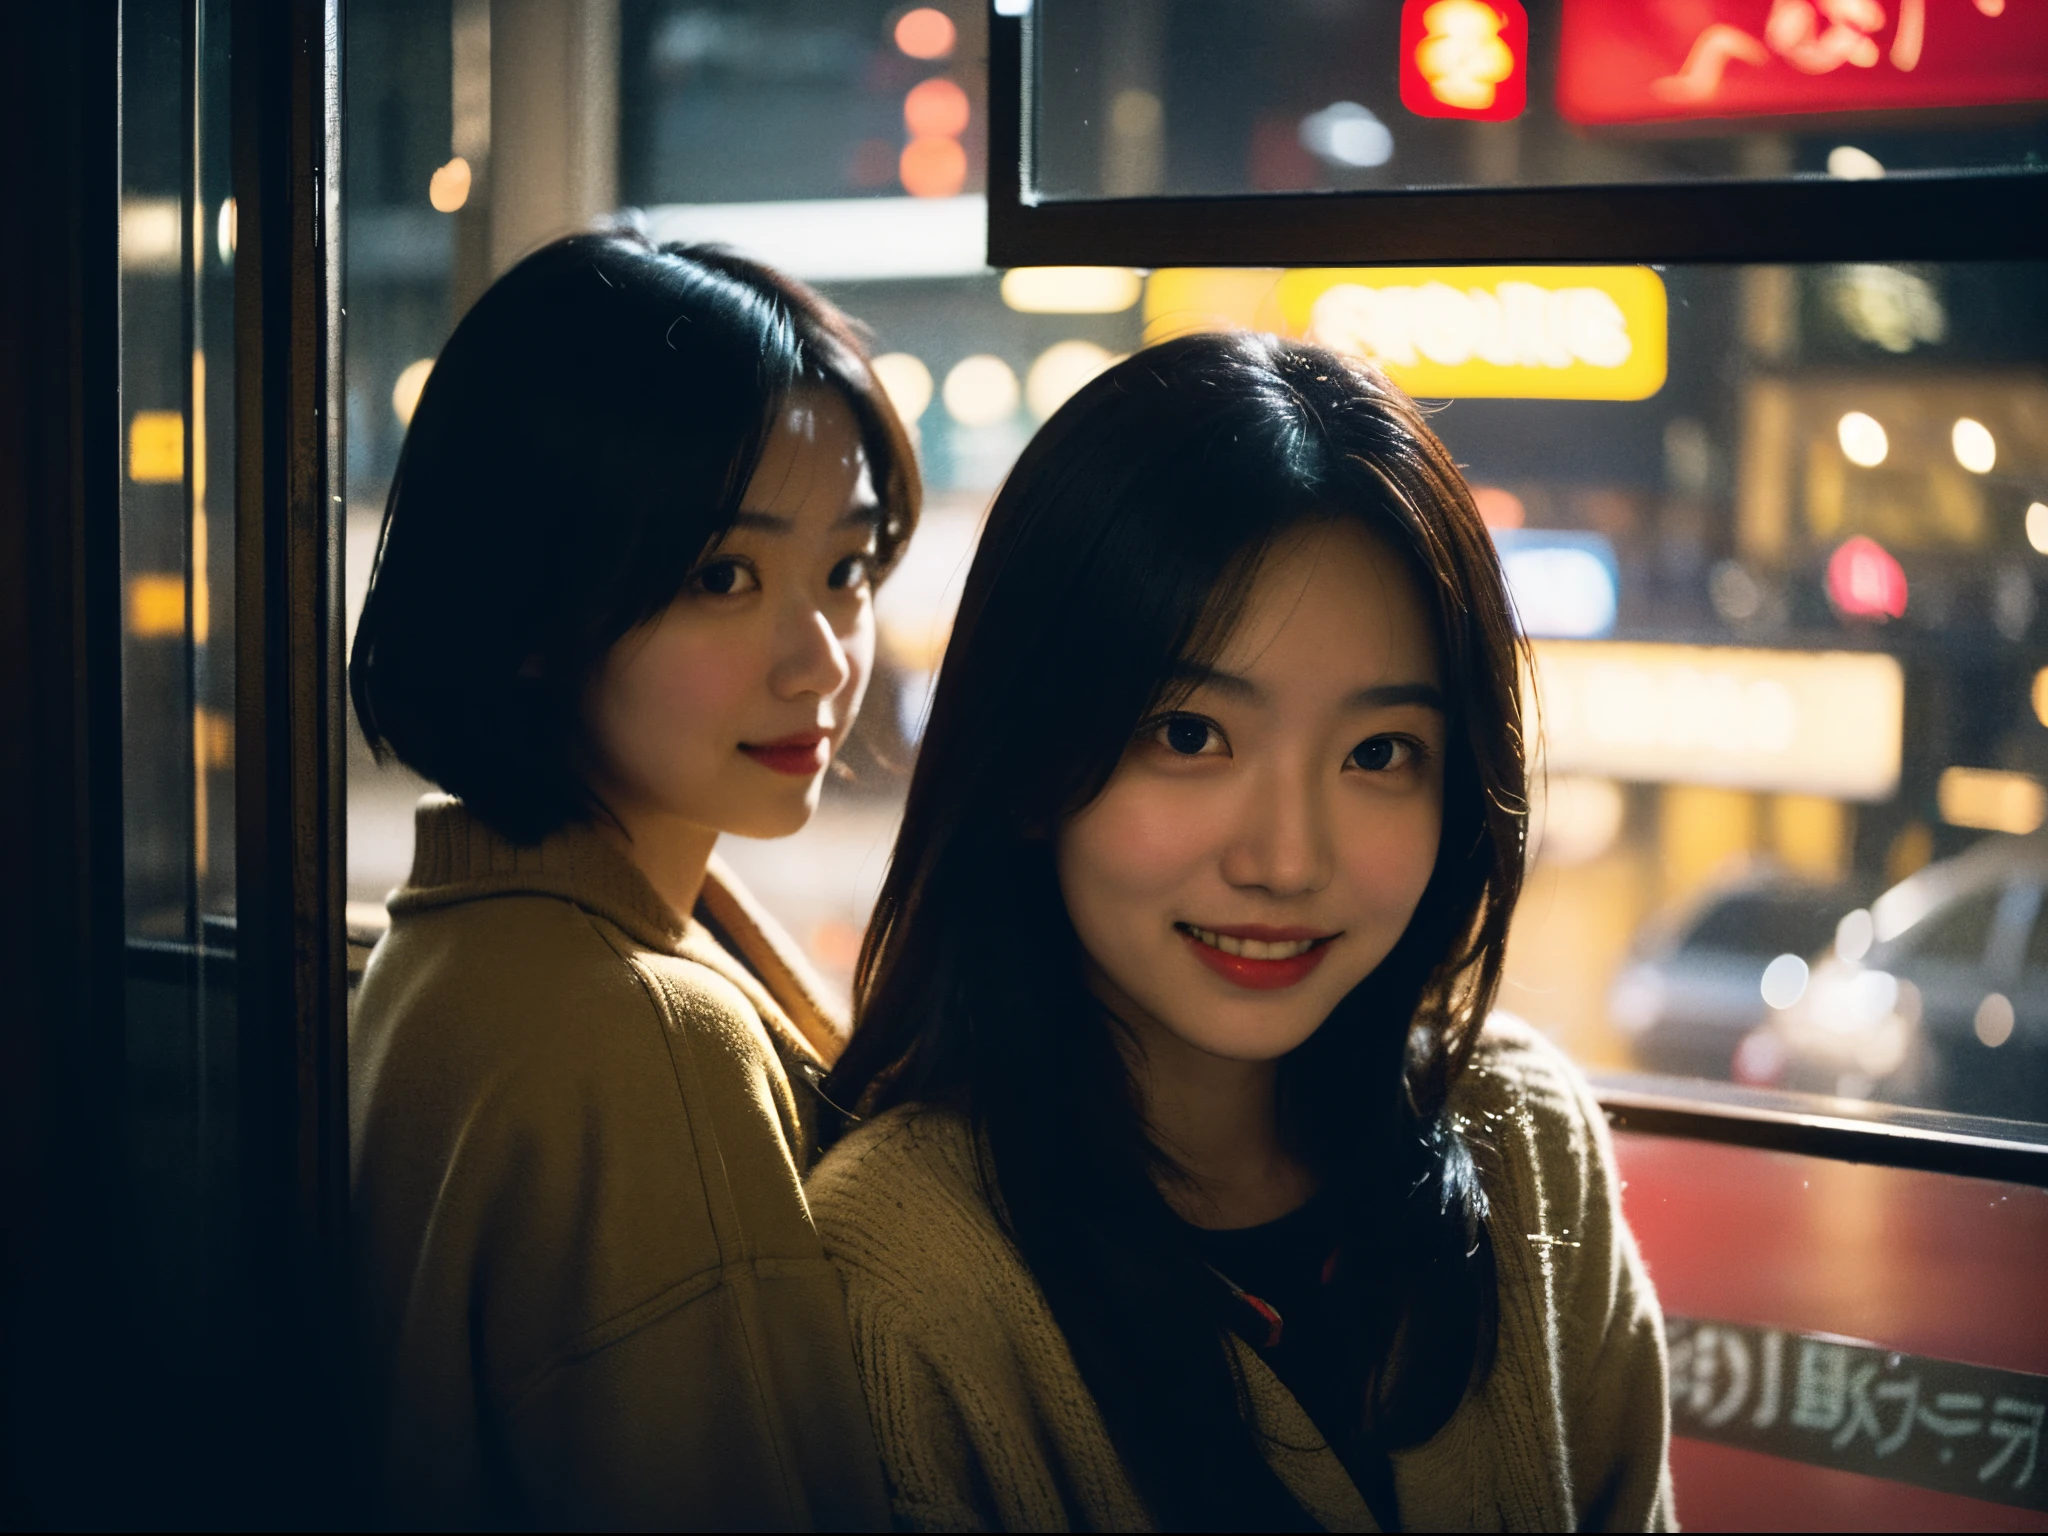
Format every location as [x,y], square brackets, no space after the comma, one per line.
[867,513]
[1379,696]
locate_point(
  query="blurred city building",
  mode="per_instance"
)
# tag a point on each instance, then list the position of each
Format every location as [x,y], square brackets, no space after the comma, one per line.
[1778,534]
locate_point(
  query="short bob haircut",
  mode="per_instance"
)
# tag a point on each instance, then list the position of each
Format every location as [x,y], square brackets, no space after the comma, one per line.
[583,441]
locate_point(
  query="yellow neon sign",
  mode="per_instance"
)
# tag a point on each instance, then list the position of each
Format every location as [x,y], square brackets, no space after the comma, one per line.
[1556,333]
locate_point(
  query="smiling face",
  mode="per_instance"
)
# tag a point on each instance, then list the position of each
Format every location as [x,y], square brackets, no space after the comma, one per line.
[1262,845]
[724,710]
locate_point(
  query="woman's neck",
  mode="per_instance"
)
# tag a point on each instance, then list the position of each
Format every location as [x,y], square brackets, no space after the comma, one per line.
[1219,1119]
[672,853]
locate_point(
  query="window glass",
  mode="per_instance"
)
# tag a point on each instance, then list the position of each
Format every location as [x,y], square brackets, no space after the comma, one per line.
[177,246]
[1142,97]
[1778,535]
[1958,933]
[800,100]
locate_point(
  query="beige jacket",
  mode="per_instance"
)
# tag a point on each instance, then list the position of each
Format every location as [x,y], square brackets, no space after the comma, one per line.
[589,1287]
[985,1423]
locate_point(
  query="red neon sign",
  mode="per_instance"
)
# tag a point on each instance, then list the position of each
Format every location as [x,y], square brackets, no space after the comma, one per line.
[1465,58]
[1628,61]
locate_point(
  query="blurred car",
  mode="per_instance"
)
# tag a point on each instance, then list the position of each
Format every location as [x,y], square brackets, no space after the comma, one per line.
[1935,995]
[1695,989]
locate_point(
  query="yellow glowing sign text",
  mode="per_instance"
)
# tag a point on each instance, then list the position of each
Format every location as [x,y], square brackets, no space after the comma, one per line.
[1557,333]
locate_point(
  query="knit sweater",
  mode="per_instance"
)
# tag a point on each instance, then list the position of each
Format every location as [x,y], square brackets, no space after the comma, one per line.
[985,1423]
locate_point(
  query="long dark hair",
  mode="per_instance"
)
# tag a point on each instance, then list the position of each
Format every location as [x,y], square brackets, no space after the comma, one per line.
[585,435]
[1122,546]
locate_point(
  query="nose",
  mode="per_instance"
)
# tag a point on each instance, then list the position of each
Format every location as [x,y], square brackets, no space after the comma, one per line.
[1282,844]
[810,657]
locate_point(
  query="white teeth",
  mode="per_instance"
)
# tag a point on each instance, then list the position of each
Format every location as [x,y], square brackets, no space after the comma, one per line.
[1253,949]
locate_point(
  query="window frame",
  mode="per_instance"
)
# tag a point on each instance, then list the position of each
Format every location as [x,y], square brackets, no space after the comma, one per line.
[275,1394]
[1920,216]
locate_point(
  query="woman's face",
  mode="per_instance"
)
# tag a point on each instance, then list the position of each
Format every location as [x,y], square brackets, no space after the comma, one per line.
[724,711]
[1262,846]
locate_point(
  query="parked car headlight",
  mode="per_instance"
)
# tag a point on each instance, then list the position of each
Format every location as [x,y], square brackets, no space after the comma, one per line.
[1852,1019]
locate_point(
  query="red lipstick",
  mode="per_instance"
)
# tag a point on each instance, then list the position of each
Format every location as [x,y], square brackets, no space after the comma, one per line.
[799,756]
[1278,957]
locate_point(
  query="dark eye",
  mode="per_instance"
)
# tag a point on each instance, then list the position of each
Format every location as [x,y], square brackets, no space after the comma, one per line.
[853,571]
[724,578]
[1187,735]
[1377,754]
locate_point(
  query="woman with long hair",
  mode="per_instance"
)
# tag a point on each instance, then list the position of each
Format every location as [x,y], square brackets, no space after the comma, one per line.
[622,605]
[1192,1187]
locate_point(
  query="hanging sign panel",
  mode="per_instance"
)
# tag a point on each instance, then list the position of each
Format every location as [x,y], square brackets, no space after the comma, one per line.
[1553,333]
[1622,61]
[1791,722]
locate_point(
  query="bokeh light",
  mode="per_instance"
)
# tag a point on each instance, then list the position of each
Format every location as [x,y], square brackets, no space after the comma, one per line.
[1865,581]
[1991,800]
[448,190]
[925,33]
[1976,450]
[1784,981]
[1863,440]
[933,167]
[936,108]
[1498,508]
[1560,591]
[1059,371]
[907,383]
[1993,1021]
[980,391]
[1848,163]
[1071,290]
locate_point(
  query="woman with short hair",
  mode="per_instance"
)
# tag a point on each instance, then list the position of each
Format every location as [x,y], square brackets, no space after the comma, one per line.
[1193,1189]
[622,605]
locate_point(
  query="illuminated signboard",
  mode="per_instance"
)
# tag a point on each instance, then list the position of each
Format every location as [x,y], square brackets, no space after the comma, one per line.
[1624,61]
[1793,722]
[1565,583]
[1559,333]
[1465,58]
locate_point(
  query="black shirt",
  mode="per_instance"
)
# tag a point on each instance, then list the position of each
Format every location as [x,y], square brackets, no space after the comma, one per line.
[1284,1312]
